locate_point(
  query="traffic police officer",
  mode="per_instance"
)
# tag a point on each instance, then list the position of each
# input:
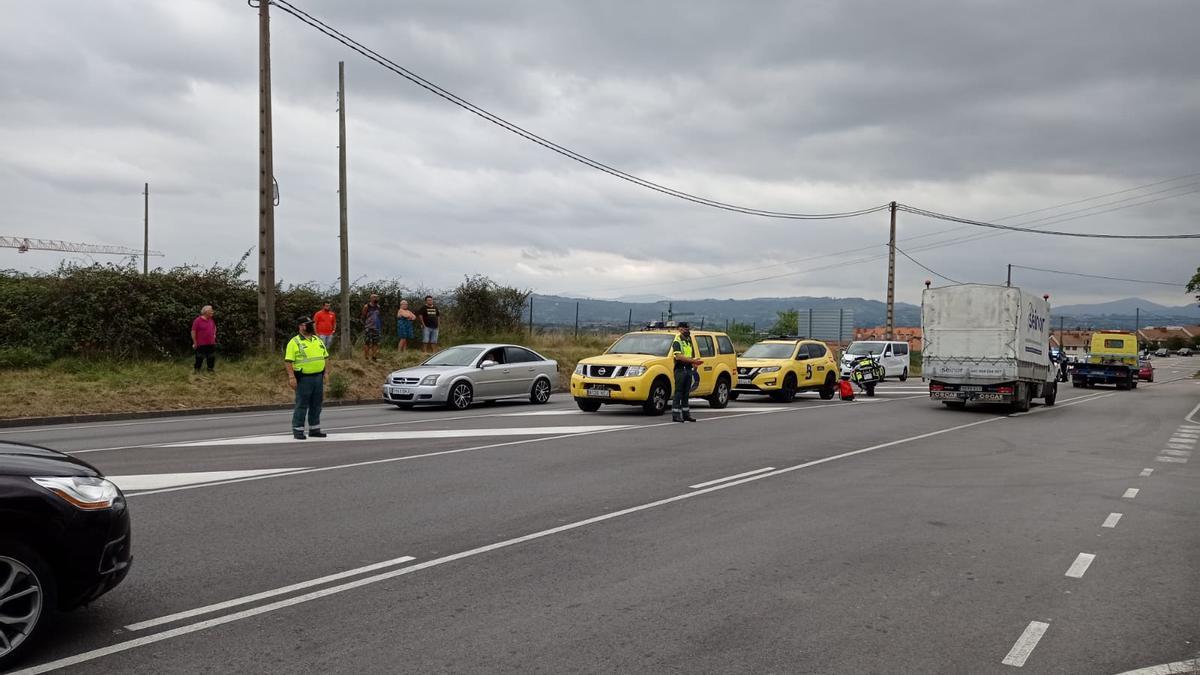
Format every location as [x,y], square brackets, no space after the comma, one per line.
[305,363]
[685,366]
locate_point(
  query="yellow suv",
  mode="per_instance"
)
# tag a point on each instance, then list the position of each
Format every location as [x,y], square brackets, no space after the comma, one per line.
[638,370]
[781,367]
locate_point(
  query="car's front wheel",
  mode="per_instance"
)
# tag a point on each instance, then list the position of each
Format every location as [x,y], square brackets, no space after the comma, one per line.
[656,402]
[828,389]
[461,396]
[587,405]
[904,375]
[720,395]
[26,599]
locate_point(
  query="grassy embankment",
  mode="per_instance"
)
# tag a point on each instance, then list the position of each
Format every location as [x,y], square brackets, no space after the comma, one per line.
[78,386]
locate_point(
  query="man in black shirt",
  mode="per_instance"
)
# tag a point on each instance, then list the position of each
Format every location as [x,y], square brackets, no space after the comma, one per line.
[428,316]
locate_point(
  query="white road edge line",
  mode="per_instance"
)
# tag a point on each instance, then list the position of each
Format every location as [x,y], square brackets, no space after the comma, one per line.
[1130,493]
[1081,564]
[1177,668]
[734,477]
[1112,520]
[1024,645]
[208,609]
[391,574]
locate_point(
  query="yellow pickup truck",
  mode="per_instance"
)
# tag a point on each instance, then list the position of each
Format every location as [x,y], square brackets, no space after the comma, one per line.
[1112,359]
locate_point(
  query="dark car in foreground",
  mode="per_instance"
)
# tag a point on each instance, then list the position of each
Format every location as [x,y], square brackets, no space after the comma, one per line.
[64,540]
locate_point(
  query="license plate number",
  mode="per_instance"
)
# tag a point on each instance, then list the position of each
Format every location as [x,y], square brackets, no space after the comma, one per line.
[599,393]
[743,380]
[971,387]
[401,390]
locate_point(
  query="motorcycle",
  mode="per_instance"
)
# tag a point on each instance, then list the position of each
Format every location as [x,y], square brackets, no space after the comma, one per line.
[866,372]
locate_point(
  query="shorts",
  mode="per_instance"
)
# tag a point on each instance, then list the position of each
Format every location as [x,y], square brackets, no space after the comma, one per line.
[371,336]
[404,329]
[430,335]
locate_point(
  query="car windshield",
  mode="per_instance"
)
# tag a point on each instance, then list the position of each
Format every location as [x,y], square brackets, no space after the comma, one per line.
[651,344]
[768,350]
[455,356]
[860,348]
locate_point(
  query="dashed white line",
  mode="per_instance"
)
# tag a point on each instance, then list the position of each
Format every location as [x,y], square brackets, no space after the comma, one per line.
[1025,644]
[1177,453]
[1177,668]
[1130,493]
[1179,446]
[209,609]
[1112,520]
[1171,460]
[1081,564]
[1146,472]
[728,478]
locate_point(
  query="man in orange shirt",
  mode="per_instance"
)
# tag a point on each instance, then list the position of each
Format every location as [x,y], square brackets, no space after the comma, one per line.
[326,322]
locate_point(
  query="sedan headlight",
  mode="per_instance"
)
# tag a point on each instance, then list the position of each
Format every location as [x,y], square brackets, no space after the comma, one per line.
[579,369]
[635,371]
[429,380]
[83,492]
[768,369]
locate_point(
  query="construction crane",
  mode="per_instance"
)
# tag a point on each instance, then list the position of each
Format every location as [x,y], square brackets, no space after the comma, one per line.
[26,244]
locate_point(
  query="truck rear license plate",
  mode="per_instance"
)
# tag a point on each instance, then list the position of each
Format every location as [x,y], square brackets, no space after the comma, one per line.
[971,387]
[599,393]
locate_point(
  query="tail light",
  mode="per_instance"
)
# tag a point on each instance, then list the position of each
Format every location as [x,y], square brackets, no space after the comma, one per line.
[1004,390]
[935,387]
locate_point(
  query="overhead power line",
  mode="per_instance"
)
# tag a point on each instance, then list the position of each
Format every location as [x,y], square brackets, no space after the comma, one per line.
[1057,233]
[457,100]
[1098,276]
[927,269]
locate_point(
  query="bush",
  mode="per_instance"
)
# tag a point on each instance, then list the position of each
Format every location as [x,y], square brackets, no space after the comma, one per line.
[22,358]
[339,386]
[481,307]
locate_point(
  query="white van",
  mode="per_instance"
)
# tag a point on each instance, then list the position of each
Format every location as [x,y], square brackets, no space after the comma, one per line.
[893,356]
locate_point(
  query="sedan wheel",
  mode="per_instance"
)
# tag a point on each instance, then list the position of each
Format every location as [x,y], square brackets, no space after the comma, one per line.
[23,599]
[460,396]
[541,392]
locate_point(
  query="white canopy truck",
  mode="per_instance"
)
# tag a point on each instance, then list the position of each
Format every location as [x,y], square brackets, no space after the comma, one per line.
[987,343]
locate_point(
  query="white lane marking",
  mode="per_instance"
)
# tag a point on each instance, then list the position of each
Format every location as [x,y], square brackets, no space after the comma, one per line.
[1146,472]
[1177,453]
[357,583]
[404,435]
[155,481]
[1187,433]
[1130,493]
[216,607]
[728,478]
[1177,668]
[1179,446]
[1024,645]
[1174,460]
[1112,520]
[1081,564]
[541,413]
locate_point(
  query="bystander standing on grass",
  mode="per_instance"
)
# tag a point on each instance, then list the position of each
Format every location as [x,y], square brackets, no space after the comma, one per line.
[326,322]
[428,315]
[404,326]
[204,339]
[372,327]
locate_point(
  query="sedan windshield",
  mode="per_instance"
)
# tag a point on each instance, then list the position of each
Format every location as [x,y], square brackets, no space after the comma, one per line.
[455,356]
[767,350]
[652,344]
[860,348]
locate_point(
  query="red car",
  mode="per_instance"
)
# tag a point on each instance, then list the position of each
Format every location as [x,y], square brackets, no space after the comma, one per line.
[1145,371]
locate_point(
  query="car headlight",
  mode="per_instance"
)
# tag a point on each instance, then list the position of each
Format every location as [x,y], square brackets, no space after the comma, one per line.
[429,380]
[82,492]
[579,369]
[635,371]
[768,369]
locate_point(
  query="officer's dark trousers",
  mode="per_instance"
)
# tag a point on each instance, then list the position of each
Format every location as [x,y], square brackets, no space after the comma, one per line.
[683,388]
[310,393]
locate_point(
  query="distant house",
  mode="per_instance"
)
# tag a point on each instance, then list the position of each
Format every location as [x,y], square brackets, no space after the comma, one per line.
[1158,335]
[910,334]
[1071,342]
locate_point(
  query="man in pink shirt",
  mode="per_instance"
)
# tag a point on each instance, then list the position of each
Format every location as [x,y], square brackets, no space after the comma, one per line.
[204,339]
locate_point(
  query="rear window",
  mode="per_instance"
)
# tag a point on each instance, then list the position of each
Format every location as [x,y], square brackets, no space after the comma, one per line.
[815,350]
[724,344]
[705,343]
[1114,343]
[902,350]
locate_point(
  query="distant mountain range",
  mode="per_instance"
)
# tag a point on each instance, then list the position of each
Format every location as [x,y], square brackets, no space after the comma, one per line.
[556,310]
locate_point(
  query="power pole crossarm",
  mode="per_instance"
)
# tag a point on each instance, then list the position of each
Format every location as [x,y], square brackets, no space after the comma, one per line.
[24,244]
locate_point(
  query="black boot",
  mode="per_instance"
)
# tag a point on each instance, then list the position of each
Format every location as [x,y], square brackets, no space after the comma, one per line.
[317,433]
[676,417]
[298,435]
[687,417]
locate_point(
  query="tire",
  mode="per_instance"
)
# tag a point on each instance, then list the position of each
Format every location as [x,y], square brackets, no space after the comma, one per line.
[1076,383]
[656,402]
[404,406]
[1052,394]
[904,375]
[587,405]
[733,395]
[829,389]
[1133,385]
[870,387]
[787,393]
[540,394]
[23,619]
[955,405]
[1024,396]
[720,396]
[461,395]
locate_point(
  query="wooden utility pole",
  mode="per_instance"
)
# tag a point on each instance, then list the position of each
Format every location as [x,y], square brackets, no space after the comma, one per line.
[146,235]
[266,192]
[344,344]
[891,287]
[1008,280]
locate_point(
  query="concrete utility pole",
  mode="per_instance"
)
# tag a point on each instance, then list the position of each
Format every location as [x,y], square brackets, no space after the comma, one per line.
[344,344]
[891,289]
[146,237]
[266,193]
[1008,280]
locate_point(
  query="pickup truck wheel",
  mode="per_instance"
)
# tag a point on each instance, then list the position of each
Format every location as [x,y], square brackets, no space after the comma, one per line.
[904,375]
[656,403]
[720,395]
[1024,395]
[1051,394]
[587,405]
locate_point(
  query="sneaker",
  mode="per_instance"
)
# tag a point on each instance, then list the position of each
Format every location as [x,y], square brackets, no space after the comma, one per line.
[298,435]
[317,433]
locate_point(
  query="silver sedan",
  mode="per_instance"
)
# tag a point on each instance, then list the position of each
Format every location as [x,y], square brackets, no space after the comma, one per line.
[459,376]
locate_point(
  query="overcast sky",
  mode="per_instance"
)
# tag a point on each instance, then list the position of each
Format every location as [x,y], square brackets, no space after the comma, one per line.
[982,109]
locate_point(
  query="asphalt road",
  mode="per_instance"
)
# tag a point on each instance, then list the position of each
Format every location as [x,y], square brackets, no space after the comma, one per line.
[887,535]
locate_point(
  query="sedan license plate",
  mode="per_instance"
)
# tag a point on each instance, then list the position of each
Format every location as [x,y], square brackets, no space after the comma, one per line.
[599,393]
[401,390]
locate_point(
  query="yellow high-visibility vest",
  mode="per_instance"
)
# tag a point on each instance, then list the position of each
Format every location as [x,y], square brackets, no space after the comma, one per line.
[306,354]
